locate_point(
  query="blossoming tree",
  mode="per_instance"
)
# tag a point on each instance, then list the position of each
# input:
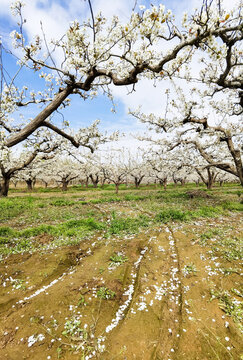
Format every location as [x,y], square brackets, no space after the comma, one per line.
[40,147]
[100,53]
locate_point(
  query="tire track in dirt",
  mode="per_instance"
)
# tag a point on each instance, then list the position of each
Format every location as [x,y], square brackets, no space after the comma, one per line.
[157,295]
[130,291]
[171,309]
[64,268]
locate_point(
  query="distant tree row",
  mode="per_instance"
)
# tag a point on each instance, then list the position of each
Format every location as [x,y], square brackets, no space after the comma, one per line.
[201,126]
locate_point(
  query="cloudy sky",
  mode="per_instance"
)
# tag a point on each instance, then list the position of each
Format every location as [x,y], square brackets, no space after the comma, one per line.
[55,16]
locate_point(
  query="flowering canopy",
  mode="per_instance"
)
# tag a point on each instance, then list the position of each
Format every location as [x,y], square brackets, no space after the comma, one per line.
[101,52]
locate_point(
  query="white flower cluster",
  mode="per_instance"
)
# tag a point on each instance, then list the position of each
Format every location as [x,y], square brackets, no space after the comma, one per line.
[16,7]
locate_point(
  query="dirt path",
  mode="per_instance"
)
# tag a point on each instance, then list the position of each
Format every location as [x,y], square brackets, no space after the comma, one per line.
[157,303]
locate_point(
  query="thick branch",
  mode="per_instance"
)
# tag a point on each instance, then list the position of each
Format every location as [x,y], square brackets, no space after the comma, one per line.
[40,118]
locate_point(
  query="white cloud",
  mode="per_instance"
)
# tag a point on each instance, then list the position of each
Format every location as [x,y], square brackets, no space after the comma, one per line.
[151,98]
[114,7]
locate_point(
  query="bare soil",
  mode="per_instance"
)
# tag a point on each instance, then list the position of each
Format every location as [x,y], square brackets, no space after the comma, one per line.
[159,310]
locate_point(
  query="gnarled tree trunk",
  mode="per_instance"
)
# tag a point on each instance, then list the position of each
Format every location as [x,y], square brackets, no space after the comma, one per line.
[95,180]
[29,183]
[65,184]
[4,187]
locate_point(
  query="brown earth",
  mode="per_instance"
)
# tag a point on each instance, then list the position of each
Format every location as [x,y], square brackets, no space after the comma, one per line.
[159,310]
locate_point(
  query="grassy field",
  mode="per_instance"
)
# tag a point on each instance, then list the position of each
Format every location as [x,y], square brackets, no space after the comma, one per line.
[145,274]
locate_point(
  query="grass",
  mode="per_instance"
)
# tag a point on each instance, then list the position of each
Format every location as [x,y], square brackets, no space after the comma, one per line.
[167,215]
[229,248]
[207,235]
[233,206]
[131,225]
[83,211]
[105,293]
[229,304]
[69,228]
[19,241]
[189,269]
[117,259]
[62,202]
[171,214]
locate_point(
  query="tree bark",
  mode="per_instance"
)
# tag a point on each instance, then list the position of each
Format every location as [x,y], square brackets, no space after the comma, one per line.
[64,185]
[138,180]
[163,182]
[4,186]
[183,181]
[40,118]
[29,183]
[45,183]
[95,180]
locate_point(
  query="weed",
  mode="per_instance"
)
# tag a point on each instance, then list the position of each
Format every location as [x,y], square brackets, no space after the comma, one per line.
[204,237]
[230,249]
[62,202]
[18,284]
[133,197]
[171,214]
[209,234]
[129,225]
[105,293]
[189,269]
[229,271]
[23,240]
[59,352]
[237,292]
[117,259]
[230,306]
[233,206]
[207,211]
[81,301]
[73,329]
[6,231]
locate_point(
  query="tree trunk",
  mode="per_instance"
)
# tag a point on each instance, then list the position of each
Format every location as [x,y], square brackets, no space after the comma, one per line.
[210,179]
[29,183]
[164,183]
[45,183]
[103,182]
[95,180]
[64,185]
[174,180]
[209,185]
[236,154]
[117,188]
[183,181]
[4,186]
[136,183]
